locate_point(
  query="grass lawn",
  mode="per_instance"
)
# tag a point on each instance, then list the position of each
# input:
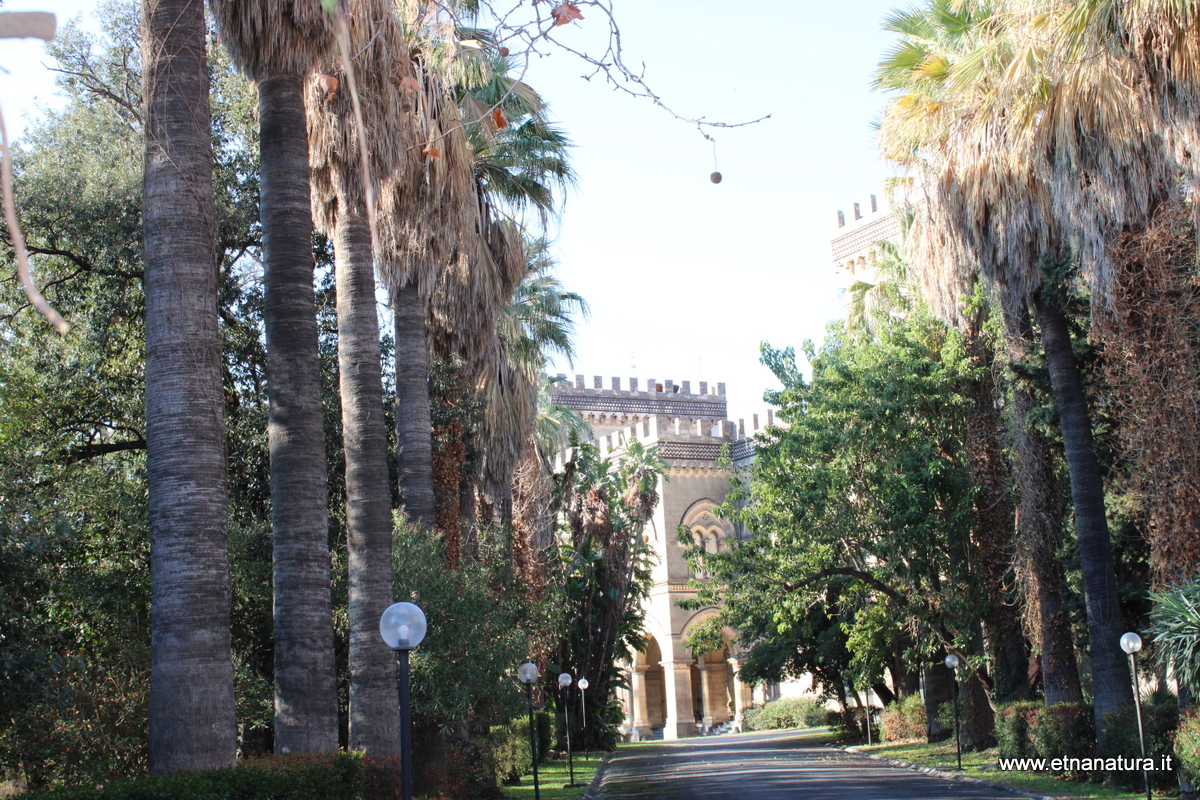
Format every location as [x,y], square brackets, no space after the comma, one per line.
[553,775]
[983,765]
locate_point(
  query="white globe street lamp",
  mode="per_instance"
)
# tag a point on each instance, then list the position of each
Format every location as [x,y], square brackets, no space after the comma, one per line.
[402,627]
[583,684]
[1132,643]
[528,674]
[564,683]
[952,661]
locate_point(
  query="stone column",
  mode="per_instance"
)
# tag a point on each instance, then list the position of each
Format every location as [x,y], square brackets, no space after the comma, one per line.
[640,730]
[706,695]
[681,720]
[716,700]
[742,695]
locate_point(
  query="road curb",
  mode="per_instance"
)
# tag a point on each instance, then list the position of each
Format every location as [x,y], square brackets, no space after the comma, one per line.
[937,773]
[595,790]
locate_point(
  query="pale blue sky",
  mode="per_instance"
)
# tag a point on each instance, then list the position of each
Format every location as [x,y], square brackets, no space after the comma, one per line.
[684,277]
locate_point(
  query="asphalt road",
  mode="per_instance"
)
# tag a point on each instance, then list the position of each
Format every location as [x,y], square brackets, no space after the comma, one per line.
[766,766]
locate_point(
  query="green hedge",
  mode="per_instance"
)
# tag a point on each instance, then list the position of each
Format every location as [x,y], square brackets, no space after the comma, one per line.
[510,745]
[1160,720]
[1012,728]
[904,719]
[788,712]
[1066,729]
[1187,747]
[343,776]
[1031,730]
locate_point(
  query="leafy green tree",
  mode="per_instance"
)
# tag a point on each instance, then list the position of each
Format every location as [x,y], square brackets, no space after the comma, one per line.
[864,494]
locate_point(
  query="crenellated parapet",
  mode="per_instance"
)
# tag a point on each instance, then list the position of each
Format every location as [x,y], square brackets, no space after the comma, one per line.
[855,237]
[620,406]
[689,428]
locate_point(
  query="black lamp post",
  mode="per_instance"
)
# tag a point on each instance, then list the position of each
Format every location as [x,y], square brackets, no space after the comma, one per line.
[1132,643]
[564,682]
[583,684]
[528,674]
[402,626]
[952,662]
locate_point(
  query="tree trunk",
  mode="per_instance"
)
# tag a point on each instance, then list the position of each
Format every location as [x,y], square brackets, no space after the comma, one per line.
[306,712]
[977,720]
[994,531]
[905,677]
[192,725]
[939,692]
[374,725]
[1110,673]
[414,429]
[1040,514]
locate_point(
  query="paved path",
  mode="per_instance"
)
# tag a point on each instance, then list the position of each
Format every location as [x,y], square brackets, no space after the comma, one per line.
[767,766]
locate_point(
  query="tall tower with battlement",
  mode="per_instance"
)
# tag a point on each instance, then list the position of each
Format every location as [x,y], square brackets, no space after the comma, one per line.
[675,692]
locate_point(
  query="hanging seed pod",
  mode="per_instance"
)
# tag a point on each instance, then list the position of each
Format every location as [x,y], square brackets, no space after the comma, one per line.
[715,177]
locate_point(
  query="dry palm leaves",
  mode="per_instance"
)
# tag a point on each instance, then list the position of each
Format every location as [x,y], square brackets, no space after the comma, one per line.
[1152,361]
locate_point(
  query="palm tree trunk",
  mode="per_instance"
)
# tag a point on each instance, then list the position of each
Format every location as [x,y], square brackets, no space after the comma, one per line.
[414,428]
[1040,513]
[192,725]
[994,530]
[1110,673]
[1039,523]
[306,713]
[373,695]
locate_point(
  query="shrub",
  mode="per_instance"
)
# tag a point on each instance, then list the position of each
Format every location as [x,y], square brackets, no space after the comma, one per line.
[750,718]
[511,750]
[1160,720]
[382,778]
[1187,747]
[1012,728]
[904,719]
[340,776]
[1065,729]
[788,712]
[470,772]
[545,734]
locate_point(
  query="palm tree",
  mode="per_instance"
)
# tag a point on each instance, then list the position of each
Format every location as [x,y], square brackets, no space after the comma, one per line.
[982,149]
[1040,573]
[426,213]
[341,198]
[519,167]
[534,512]
[458,260]
[538,323]
[276,44]
[192,722]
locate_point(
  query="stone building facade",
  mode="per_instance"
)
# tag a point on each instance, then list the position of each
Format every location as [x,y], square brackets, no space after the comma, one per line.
[855,238]
[673,692]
